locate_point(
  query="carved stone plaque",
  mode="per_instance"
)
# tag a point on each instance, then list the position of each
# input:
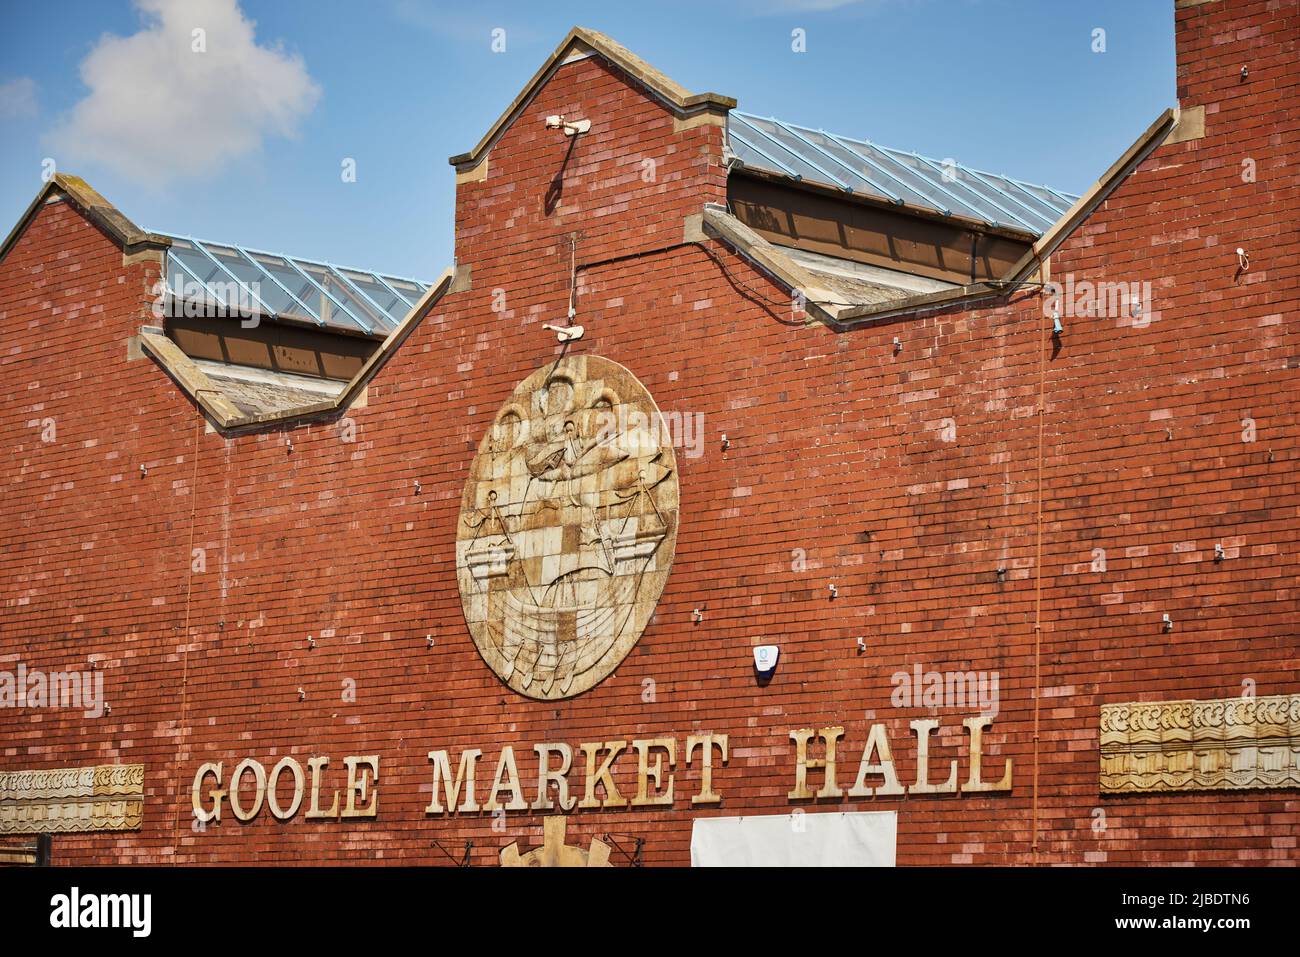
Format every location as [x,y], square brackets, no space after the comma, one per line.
[105,797]
[567,527]
[1201,745]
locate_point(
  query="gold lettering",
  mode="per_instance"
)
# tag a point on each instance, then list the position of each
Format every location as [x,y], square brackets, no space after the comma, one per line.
[217,793]
[877,740]
[645,773]
[316,765]
[922,729]
[464,775]
[273,799]
[612,797]
[506,767]
[803,763]
[974,784]
[357,786]
[707,742]
[545,775]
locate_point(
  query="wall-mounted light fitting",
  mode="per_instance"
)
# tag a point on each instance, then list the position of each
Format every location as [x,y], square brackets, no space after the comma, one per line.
[570,127]
[835,592]
[565,333]
[1166,623]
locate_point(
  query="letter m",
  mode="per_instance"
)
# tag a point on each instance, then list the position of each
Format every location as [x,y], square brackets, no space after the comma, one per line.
[464,777]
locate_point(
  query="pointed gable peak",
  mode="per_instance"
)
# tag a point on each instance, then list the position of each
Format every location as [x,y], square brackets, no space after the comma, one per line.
[582,42]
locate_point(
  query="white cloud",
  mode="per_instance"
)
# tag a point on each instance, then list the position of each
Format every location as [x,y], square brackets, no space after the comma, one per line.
[158,109]
[17,98]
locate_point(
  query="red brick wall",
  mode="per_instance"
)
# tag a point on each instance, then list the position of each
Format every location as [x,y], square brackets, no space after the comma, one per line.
[836,450]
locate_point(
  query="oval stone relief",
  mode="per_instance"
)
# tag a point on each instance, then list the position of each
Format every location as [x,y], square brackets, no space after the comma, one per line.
[567,527]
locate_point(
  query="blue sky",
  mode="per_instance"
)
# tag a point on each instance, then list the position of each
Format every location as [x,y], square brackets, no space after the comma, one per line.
[247,143]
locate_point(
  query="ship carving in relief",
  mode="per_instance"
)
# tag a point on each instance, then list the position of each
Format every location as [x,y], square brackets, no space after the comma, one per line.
[567,528]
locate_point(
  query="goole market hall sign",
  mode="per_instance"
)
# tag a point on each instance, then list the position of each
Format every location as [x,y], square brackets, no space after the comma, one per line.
[565,537]
[555,776]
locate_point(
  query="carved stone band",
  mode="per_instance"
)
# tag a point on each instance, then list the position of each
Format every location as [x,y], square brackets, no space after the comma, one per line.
[105,797]
[1214,744]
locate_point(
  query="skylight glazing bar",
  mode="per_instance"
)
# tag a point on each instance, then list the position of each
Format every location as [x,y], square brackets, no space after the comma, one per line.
[838,162]
[1003,193]
[400,298]
[266,310]
[1063,197]
[764,153]
[311,313]
[981,198]
[414,282]
[387,320]
[1022,184]
[978,211]
[325,292]
[845,143]
[202,282]
[1036,203]
[992,202]
[803,159]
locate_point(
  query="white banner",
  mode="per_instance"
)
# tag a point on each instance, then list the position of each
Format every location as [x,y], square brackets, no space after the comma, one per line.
[799,839]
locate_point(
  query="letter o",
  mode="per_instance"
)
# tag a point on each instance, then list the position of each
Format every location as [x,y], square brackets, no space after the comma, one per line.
[259,774]
[272,801]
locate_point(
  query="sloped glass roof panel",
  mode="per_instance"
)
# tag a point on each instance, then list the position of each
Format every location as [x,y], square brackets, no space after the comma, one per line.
[256,281]
[338,295]
[868,169]
[889,179]
[407,288]
[1003,207]
[297,285]
[278,286]
[781,145]
[386,299]
[939,179]
[1023,193]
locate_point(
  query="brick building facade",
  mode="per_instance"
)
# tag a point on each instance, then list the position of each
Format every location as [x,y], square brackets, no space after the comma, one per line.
[985,497]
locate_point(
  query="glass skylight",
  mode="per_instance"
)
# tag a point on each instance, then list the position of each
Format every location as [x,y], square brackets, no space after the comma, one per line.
[857,166]
[240,281]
